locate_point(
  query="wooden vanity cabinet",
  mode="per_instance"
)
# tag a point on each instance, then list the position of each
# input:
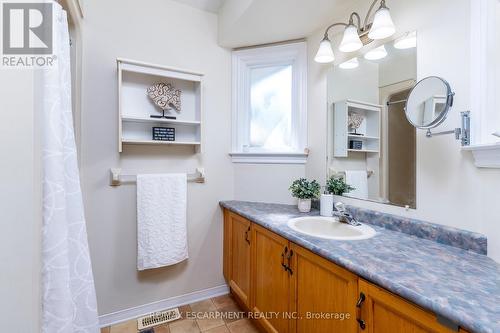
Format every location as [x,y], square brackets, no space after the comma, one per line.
[298,290]
[292,288]
[237,255]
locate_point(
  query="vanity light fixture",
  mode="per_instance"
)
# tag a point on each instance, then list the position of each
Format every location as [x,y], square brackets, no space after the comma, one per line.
[376,54]
[407,41]
[325,52]
[350,64]
[357,35]
[350,41]
[382,26]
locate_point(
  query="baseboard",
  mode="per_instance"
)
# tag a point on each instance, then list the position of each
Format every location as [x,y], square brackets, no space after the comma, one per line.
[141,310]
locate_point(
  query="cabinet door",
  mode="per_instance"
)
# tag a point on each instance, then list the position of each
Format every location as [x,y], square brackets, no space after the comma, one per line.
[325,294]
[270,280]
[239,280]
[384,312]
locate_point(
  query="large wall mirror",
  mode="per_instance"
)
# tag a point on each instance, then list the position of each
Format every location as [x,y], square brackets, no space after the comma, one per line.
[371,144]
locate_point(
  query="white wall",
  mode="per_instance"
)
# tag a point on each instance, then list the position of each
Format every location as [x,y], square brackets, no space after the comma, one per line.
[20,204]
[450,189]
[249,22]
[399,67]
[172,34]
[359,84]
[266,182]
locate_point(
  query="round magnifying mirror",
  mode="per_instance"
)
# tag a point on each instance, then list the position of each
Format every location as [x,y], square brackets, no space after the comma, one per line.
[429,102]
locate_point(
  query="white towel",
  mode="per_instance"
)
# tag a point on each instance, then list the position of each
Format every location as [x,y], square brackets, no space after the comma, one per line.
[161,220]
[358,180]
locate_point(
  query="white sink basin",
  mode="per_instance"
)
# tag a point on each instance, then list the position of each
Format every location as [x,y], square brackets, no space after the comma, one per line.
[330,228]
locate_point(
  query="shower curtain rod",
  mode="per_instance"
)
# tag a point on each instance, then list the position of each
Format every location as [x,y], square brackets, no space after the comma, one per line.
[396,102]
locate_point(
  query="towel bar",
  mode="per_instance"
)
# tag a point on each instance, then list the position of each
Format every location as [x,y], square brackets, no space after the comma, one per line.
[117,178]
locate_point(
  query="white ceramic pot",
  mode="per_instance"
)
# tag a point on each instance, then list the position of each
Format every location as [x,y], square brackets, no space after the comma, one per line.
[304,205]
[326,205]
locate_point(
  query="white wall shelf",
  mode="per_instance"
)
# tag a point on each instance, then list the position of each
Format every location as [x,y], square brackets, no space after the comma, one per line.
[158,142]
[364,137]
[370,128]
[135,107]
[485,155]
[153,120]
[363,151]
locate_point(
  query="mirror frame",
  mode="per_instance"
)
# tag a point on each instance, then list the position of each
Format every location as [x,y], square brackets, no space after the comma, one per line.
[443,115]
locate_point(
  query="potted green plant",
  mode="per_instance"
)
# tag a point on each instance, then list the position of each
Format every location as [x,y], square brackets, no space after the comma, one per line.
[337,186]
[304,191]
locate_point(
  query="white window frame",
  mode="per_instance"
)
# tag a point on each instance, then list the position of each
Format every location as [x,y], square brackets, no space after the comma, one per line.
[485,105]
[244,61]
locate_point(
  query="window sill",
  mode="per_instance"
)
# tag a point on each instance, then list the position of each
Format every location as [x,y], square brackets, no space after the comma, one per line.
[269,158]
[485,155]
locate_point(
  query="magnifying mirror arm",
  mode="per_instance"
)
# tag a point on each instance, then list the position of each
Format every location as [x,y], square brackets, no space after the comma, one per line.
[462,134]
[456,131]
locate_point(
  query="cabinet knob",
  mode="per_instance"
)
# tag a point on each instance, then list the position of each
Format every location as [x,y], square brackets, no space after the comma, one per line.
[246,236]
[289,258]
[359,303]
[283,254]
[361,299]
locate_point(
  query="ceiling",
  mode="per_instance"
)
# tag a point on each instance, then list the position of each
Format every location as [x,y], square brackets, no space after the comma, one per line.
[253,22]
[207,5]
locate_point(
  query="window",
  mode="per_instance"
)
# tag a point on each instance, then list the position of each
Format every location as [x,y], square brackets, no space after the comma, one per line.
[269,104]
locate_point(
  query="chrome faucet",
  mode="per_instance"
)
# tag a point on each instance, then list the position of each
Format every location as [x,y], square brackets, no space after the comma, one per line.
[343,215]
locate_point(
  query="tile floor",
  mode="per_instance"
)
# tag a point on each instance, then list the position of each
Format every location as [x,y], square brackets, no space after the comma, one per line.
[199,317]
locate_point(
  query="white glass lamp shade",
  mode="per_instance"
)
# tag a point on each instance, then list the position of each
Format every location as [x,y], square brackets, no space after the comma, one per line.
[382,26]
[350,64]
[407,41]
[350,41]
[376,54]
[325,52]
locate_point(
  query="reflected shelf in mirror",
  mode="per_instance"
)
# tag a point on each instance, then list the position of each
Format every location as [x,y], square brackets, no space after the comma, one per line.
[363,137]
[363,151]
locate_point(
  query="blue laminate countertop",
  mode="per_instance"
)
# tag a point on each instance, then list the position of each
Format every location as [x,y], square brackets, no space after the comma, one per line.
[462,286]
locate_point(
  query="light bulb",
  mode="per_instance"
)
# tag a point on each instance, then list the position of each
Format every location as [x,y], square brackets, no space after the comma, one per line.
[408,41]
[350,64]
[325,52]
[376,54]
[350,41]
[382,26]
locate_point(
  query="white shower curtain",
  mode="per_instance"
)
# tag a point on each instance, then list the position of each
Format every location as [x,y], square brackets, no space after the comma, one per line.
[69,301]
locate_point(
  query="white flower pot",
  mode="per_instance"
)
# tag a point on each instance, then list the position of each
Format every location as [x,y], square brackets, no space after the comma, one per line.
[304,205]
[326,205]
